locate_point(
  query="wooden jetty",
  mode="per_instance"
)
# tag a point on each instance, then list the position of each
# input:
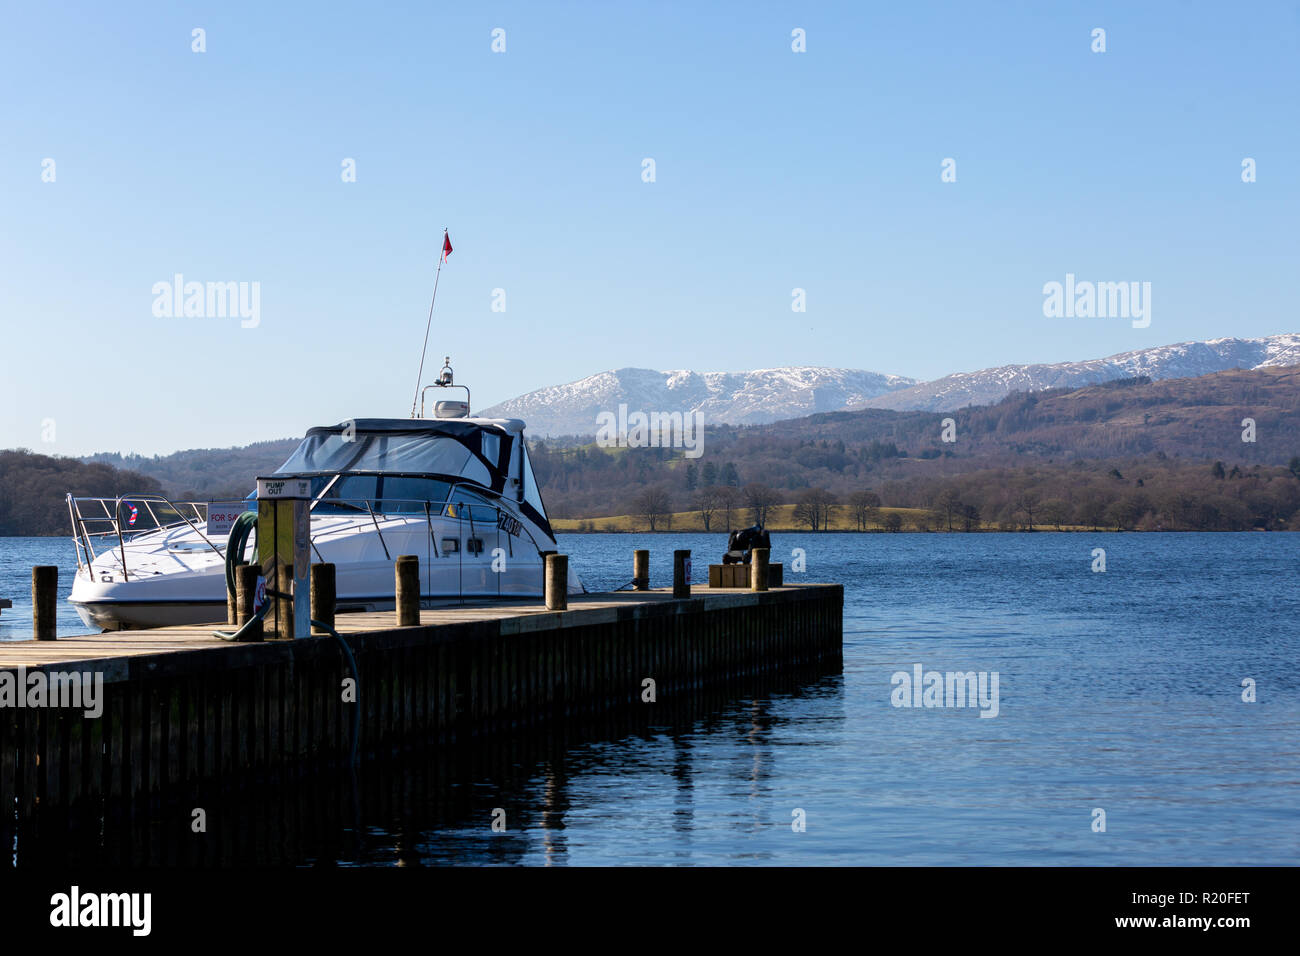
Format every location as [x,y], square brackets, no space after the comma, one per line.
[180,707]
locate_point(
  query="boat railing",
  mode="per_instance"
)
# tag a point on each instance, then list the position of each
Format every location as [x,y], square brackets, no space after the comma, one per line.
[113,522]
[103,524]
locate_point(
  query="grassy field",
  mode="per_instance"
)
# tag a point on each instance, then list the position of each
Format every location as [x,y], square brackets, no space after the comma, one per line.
[779,518]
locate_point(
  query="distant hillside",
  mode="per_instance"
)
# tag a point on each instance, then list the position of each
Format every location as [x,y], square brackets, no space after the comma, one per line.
[1191,417]
[1195,420]
[206,473]
[733,398]
[768,395]
[33,490]
[1183,360]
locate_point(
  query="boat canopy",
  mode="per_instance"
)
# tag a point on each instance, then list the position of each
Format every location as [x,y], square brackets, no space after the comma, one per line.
[475,451]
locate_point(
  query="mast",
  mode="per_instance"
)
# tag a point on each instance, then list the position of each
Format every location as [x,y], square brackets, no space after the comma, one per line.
[446,251]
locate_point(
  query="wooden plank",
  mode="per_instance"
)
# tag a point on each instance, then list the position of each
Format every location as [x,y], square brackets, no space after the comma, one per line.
[257,717]
[175,708]
[27,777]
[75,722]
[9,745]
[156,741]
[53,756]
[191,733]
[274,710]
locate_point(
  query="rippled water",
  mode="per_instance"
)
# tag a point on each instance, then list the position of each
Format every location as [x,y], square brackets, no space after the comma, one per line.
[1119,690]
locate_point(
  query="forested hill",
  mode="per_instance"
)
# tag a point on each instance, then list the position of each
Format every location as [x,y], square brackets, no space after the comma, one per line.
[34,489]
[205,473]
[1178,429]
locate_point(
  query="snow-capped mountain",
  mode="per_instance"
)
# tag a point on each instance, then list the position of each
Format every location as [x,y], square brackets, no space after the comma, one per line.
[1184,360]
[771,394]
[733,398]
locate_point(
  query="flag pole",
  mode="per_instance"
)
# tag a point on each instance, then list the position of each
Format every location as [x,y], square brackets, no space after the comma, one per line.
[442,254]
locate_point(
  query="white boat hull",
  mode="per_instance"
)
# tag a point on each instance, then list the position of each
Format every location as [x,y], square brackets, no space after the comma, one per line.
[175,578]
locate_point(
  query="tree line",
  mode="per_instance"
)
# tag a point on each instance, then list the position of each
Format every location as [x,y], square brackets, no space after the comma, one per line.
[1153,494]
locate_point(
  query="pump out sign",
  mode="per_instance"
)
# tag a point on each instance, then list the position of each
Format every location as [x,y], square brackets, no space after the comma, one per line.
[284,488]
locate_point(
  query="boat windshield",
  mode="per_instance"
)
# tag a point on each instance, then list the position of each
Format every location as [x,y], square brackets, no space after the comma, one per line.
[422,454]
[385,494]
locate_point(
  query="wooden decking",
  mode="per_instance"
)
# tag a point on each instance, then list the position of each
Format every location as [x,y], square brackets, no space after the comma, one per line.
[175,708]
[525,616]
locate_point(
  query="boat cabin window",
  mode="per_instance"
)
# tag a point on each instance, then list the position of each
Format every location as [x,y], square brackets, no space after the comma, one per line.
[471,505]
[531,494]
[401,493]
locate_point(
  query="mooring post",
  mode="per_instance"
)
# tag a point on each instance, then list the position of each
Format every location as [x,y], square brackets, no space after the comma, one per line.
[246,576]
[641,570]
[284,552]
[542,555]
[232,604]
[681,574]
[557,582]
[324,594]
[45,602]
[408,590]
[758,564]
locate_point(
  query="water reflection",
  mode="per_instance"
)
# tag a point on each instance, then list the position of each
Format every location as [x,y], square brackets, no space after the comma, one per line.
[437,806]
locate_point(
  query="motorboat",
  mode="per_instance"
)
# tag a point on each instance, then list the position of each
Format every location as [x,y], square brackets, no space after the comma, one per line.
[456,491]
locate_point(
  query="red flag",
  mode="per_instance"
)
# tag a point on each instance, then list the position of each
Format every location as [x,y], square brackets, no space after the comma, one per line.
[446,245]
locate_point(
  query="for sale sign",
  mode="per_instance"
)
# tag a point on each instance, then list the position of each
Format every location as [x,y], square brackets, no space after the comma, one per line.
[222,515]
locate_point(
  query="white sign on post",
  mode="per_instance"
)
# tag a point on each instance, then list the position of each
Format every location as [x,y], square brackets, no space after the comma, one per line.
[222,515]
[284,488]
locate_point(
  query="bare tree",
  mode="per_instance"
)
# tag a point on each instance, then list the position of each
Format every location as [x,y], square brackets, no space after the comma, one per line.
[759,498]
[866,508]
[814,508]
[1026,504]
[1055,512]
[654,505]
[947,506]
[728,501]
[706,501]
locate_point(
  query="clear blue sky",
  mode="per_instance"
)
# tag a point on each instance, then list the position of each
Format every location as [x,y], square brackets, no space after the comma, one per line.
[775,170]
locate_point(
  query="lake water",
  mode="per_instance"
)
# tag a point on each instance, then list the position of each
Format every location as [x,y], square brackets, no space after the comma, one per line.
[1120,691]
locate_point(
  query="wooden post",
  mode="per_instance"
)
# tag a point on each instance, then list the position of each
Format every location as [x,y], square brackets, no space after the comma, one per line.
[232,604]
[408,590]
[324,593]
[557,582]
[542,555]
[45,602]
[758,559]
[246,576]
[681,574]
[641,570]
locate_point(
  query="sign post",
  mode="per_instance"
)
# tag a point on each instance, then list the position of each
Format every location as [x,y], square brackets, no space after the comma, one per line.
[284,553]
